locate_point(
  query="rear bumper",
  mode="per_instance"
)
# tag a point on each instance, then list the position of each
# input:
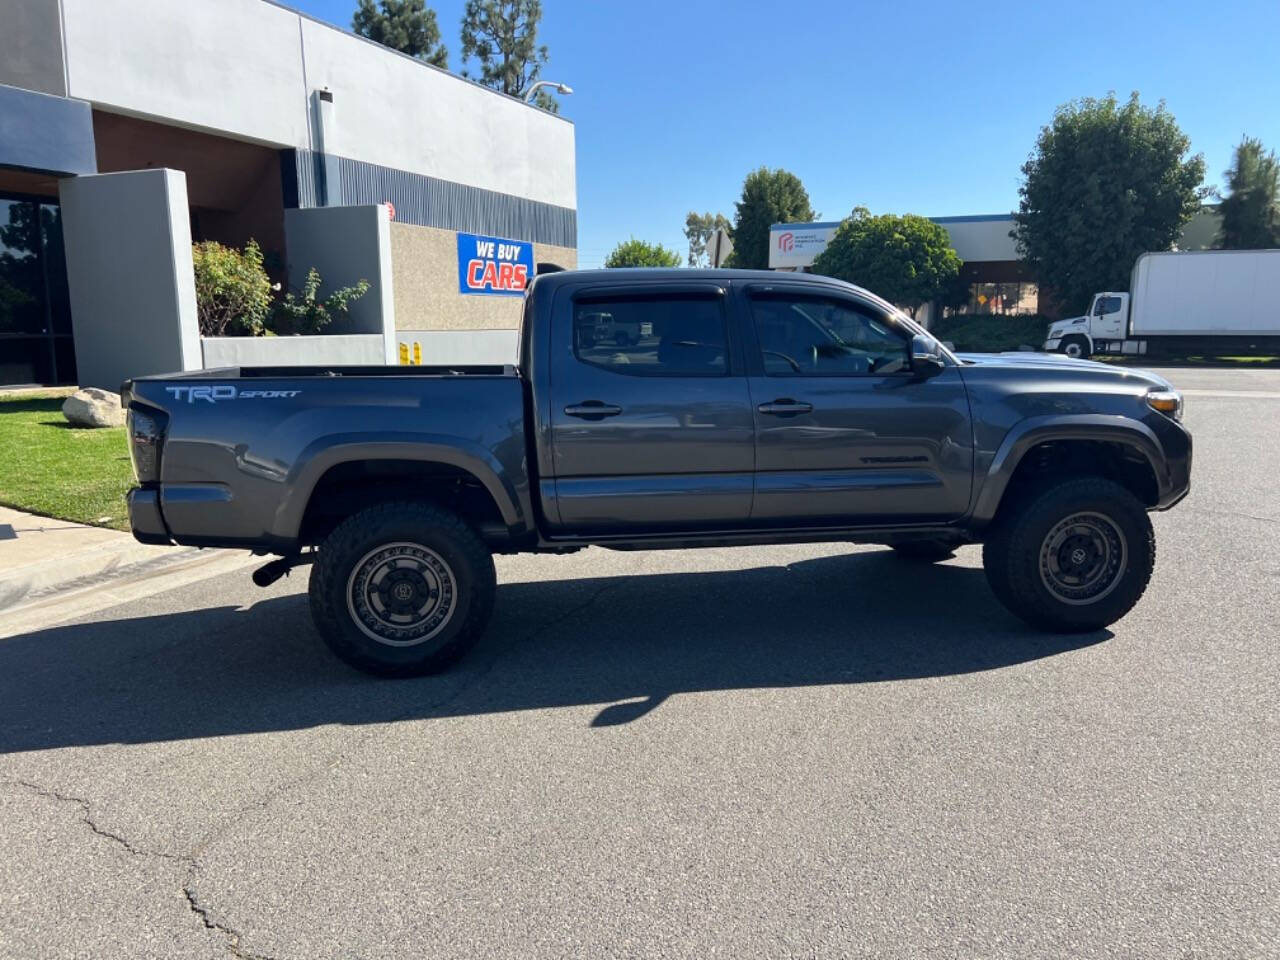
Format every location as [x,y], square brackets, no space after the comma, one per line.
[145,518]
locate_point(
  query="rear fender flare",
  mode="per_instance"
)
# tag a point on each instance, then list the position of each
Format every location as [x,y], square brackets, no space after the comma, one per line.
[328,452]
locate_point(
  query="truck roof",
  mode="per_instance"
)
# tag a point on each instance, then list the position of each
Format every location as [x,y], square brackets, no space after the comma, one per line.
[677,274]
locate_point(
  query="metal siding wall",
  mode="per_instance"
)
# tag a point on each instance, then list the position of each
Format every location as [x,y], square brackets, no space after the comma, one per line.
[430,202]
[47,133]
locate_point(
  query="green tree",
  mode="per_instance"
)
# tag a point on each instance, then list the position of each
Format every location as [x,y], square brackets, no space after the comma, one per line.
[768,197]
[637,253]
[698,229]
[405,25]
[503,36]
[1107,182]
[908,260]
[1251,208]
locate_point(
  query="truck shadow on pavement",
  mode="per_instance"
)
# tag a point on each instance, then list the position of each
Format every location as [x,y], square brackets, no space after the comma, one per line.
[622,643]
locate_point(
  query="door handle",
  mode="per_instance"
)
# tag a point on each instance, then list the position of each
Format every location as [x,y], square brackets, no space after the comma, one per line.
[785,407]
[592,410]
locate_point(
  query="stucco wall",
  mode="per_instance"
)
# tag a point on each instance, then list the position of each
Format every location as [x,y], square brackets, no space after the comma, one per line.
[345,245]
[981,238]
[133,294]
[358,350]
[424,271]
[31,46]
[248,68]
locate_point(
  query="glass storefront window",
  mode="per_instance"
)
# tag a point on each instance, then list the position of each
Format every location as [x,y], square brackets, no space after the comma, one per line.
[35,315]
[1019,297]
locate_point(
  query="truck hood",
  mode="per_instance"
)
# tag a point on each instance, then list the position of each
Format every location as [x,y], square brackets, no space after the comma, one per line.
[1026,360]
[1060,328]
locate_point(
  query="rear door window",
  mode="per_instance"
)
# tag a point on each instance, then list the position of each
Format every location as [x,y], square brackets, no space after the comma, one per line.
[664,336]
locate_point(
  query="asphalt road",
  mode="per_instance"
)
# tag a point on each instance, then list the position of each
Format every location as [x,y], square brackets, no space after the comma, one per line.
[781,752]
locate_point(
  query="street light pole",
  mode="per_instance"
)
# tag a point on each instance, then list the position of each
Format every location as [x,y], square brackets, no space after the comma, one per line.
[533,88]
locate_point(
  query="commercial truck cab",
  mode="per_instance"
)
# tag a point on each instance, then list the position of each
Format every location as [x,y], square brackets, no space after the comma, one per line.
[1107,321]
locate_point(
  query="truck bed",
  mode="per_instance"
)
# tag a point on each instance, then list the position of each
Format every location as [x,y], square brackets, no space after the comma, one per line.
[335,370]
[243,447]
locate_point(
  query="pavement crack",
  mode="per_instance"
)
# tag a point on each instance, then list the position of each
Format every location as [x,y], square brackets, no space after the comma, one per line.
[86,817]
[233,936]
[1233,514]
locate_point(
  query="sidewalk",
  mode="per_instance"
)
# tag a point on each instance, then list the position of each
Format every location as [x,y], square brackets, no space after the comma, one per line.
[56,570]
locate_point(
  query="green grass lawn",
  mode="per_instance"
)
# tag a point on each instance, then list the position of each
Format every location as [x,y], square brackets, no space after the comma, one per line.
[49,467]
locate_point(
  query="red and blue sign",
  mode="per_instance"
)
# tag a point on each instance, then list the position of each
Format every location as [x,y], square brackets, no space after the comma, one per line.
[494,266]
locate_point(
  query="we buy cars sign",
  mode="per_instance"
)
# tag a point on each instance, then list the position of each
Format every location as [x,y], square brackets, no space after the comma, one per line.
[494,266]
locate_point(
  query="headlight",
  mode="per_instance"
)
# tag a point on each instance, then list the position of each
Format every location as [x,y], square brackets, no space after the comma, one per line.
[146,433]
[1168,402]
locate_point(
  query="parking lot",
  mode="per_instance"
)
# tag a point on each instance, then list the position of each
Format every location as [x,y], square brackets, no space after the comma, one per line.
[812,751]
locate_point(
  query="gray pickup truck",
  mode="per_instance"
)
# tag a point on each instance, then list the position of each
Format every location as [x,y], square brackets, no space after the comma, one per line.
[747,408]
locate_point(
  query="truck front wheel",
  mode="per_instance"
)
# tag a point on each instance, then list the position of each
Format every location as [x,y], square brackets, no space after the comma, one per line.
[1076,347]
[1072,557]
[402,589]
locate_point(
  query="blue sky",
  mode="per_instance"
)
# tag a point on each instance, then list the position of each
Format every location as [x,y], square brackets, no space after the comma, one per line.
[903,107]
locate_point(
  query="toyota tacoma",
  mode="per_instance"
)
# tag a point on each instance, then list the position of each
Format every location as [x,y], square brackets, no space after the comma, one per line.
[748,408]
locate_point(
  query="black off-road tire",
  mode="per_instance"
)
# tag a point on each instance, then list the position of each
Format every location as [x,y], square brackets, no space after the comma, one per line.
[434,545]
[1021,564]
[924,551]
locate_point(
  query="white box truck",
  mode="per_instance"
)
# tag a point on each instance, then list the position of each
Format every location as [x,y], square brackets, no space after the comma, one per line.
[1204,302]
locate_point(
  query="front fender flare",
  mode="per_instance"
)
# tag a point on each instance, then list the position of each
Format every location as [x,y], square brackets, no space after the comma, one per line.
[1033,431]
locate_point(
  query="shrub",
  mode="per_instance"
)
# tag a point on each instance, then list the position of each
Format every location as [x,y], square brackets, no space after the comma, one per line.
[307,313]
[233,292]
[638,253]
[991,332]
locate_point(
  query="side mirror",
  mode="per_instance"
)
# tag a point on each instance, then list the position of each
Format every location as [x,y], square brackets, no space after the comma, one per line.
[926,361]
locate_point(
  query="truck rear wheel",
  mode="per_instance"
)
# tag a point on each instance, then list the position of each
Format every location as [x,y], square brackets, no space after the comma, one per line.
[402,589]
[1073,557]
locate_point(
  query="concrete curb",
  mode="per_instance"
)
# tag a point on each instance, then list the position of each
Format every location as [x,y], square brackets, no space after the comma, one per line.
[83,568]
[52,570]
[73,600]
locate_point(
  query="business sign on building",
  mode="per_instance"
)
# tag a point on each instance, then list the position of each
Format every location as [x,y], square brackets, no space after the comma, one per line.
[493,265]
[798,244]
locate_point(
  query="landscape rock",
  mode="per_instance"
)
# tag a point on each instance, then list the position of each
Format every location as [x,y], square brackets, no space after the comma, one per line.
[92,407]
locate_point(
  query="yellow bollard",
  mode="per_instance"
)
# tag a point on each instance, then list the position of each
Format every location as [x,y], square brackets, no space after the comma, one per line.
[404,354]
[417,354]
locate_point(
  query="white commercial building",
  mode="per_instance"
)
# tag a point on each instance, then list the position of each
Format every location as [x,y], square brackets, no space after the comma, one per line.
[129,128]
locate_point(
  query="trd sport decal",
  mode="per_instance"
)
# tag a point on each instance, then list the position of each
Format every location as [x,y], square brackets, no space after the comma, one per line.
[227,391]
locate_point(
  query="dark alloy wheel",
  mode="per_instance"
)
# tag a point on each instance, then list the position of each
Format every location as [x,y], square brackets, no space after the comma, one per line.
[402,589]
[1073,556]
[401,594]
[1082,558]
